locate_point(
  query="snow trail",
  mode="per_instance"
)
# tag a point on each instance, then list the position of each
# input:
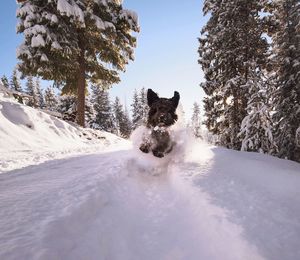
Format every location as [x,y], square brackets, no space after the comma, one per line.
[90,208]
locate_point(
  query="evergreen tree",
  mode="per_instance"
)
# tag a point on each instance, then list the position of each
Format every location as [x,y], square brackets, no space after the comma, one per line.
[286,46]
[4,81]
[136,111]
[232,54]
[67,107]
[140,108]
[71,42]
[122,121]
[32,92]
[51,101]
[89,113]
[196,120]
[256,129]
[103,111]
[118,115]
[39,93]
[125,125]
[15,82]
[143,106]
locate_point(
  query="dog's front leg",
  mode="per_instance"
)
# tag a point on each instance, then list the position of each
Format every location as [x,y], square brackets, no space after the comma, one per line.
[157,152]
[145,147]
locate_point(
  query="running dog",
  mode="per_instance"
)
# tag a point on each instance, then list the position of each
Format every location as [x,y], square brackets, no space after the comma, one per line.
[162,115]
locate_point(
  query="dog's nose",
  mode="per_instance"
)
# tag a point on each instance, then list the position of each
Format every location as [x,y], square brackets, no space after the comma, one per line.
[162,117]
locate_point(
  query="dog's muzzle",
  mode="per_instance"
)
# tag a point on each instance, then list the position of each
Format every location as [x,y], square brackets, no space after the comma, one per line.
[163,119]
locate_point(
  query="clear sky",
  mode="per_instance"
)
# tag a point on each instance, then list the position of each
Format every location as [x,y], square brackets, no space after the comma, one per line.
[166,56]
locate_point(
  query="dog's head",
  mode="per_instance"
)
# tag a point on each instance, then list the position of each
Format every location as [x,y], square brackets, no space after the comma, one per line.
[162,111]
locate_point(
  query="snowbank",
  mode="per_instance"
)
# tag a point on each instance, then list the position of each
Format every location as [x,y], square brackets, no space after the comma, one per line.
[30,136]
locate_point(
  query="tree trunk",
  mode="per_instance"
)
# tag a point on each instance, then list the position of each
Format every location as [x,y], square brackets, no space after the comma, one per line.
[81,91]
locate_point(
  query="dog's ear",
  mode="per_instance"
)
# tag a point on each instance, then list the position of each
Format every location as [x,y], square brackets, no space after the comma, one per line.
[175,99]
[151,97]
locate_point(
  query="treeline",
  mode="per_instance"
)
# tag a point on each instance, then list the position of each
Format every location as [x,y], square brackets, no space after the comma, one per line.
[100,111]
[250,55]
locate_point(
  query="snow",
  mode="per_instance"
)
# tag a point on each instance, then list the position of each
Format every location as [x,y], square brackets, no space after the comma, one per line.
[30,136]
[130,16]
[65,8]
[44,57]
[35,30]
[54,19]
[23,50]
[56,45]
[199,202]
[37,41]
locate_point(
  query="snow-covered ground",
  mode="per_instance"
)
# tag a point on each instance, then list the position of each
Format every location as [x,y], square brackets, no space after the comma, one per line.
[29,136]
[199,202]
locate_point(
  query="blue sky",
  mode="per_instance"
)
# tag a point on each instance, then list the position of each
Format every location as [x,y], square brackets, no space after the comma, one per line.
[166,56]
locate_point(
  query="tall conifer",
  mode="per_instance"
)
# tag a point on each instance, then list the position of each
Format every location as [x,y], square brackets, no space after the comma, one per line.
[287,76]
[72,42]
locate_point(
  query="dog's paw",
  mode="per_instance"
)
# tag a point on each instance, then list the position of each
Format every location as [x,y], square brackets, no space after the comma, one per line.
[158,154]
[145,148]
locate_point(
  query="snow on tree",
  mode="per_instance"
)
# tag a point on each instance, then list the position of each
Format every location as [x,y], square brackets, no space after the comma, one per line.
[4,81]
[286,48]
[143,105]
[139,108]
[231,46]
[122,121]
[196,120]
[15,82]
[103,110]
[89,113]
[126,125]
[136,110]
[72,42]
[118,115]
[31,90]
[39,93]
[67,107]
[257,126]
[51,101]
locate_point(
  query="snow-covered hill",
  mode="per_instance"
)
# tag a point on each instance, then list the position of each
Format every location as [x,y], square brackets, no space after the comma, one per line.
[30,136]
[199,202]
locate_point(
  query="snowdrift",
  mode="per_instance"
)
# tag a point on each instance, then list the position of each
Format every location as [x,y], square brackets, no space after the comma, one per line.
[30,136]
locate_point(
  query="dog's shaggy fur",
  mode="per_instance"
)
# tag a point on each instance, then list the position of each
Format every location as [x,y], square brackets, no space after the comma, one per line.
[162,114]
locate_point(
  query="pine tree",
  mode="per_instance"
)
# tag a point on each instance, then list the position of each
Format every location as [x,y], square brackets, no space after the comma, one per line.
[196,120]
[67,107]
[39,93]
[51,101]
[125,125]
[143,106]
[231,51]
[89,113]
[118,115]
[103,111]
[287,70]
[122,121]
[257,126]
[136,111]
[71,42]
[32,92]
[15,82]
[4,81]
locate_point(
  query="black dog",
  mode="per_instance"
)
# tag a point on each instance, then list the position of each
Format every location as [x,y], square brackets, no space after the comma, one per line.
[162,114]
